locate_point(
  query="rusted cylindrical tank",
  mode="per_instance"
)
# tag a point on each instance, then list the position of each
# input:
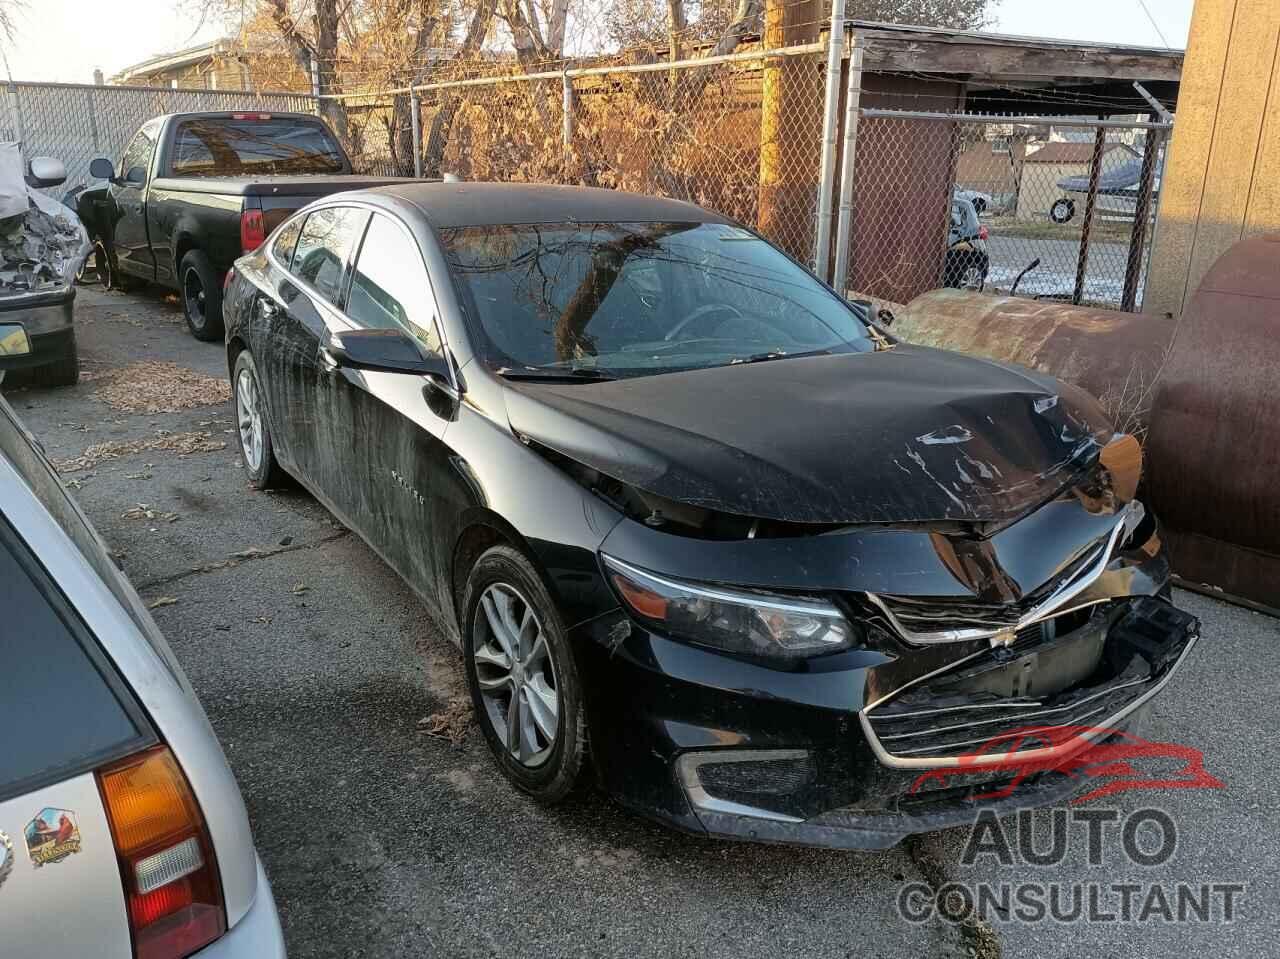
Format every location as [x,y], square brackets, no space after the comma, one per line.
[1214,443]
[1115,356]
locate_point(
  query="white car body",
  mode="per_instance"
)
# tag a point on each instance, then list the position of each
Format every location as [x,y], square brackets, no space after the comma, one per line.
[76,907]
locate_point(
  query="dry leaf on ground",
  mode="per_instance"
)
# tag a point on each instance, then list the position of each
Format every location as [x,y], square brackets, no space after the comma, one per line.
[162,601]
[451,723]
[157,386]
[183,444]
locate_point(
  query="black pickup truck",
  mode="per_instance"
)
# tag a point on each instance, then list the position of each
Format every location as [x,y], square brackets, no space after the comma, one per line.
[194,191]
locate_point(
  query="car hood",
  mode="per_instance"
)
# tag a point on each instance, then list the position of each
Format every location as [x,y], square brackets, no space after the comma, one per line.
[904,435]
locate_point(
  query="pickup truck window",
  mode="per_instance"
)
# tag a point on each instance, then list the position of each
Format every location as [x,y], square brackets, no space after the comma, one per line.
[229,146]
[324,248]
[136,161]
[389,287]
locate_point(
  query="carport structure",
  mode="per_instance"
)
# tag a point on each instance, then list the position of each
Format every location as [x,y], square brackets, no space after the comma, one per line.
[903,91]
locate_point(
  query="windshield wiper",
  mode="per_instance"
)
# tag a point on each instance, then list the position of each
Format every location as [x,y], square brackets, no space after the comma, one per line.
[580,374]
[775,355]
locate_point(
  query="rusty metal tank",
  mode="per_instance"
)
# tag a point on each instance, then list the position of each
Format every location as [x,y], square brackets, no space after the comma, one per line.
[1115,356]
[1214,443]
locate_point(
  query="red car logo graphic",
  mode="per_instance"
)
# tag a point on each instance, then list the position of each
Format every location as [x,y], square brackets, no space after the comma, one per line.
[1118,760]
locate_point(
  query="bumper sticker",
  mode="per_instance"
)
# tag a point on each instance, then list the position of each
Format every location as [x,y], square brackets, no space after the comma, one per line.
[52,836]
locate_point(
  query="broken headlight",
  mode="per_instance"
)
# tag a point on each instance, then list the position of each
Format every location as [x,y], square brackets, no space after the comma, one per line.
[738,621]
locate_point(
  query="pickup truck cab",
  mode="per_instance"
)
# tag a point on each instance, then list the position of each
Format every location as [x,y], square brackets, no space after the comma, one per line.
[194,191]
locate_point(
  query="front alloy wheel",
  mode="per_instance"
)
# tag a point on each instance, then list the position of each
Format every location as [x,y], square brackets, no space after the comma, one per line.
[516,676]
[522,675]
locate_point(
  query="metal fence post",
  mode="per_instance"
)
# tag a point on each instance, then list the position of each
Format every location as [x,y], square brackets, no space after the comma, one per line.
[830,136]
[93,118]
[1095,172]
[415,126]
[844,226]
[15,106]
[566,129]
[1141,214]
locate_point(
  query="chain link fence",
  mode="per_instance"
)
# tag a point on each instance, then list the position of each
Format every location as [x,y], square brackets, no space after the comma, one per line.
[961,200]
[76,123]
[741,134]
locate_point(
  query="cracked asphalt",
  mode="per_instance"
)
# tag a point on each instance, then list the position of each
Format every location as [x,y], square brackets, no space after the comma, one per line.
[317,668]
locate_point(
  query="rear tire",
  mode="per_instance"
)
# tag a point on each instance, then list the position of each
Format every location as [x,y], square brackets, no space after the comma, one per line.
[201,296]
[64,371]
[544,687]
[1062,211]
[249,405]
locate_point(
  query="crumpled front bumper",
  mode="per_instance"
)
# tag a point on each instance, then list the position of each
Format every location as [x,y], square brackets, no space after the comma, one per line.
[722,747]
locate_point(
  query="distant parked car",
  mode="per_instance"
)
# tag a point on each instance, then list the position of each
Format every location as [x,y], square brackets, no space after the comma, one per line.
[122,830]
[1118,191]
[193,191]
[981,201]
[967,261]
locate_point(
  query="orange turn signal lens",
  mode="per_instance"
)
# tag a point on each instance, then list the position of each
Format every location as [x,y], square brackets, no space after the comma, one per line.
[148,801]
[644,601]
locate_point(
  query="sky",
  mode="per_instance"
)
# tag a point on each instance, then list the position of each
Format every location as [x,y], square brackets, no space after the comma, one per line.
[64,40]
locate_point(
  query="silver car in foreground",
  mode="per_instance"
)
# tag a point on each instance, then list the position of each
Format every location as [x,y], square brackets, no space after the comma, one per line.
[122,831]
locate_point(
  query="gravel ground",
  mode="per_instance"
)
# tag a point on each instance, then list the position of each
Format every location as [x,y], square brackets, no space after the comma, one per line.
[318,667]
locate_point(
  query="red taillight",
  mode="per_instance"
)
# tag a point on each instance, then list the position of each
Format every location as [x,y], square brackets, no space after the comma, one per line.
[166,859]
[253,230]
[251,116]
[982,233]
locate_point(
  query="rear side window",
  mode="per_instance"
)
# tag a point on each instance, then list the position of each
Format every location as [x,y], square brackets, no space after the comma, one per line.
[251,145]
[62,708]
[324,248]
[282,248]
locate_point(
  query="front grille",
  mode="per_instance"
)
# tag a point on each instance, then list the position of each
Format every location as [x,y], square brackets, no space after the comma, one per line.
[1118,657]
[918,615]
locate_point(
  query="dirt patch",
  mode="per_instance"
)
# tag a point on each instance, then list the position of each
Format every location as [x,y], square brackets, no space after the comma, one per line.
[183,444]
[157,386]
[453,722]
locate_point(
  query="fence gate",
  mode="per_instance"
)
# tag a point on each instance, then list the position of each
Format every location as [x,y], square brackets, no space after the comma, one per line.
[967,200]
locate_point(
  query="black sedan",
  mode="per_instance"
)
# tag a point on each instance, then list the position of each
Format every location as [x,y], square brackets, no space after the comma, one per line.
[703,533]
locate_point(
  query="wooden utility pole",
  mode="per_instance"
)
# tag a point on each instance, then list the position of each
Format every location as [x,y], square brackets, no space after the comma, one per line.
[790,127]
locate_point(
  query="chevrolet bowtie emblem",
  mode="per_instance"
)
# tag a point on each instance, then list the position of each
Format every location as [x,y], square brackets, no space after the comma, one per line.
[1004,638]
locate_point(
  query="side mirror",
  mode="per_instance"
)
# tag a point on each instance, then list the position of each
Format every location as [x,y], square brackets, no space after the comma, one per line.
[389,350]
[45,172]
[136,176]
[102,169]
[14,344]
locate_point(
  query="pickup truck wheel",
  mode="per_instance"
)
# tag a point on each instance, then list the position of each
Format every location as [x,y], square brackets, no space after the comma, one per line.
[201,296]
[64,371]
[250,408]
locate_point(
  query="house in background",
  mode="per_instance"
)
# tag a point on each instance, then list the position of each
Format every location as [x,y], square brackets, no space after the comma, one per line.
[1044,166]
[226,64]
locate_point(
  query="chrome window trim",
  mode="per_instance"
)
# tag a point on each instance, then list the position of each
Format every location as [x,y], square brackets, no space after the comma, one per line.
[1051,605]
[453,390]
[1061,751]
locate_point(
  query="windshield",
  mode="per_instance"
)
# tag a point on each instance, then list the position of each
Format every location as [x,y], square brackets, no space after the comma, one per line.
[229,146]
[627,299]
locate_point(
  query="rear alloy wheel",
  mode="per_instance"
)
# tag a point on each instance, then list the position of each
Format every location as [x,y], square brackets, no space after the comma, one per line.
[523,680]
[250,410]
[201,296]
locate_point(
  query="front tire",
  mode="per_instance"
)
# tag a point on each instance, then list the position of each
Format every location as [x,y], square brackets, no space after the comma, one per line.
[1062,211]
[249,405]
[201,296]
[522,676]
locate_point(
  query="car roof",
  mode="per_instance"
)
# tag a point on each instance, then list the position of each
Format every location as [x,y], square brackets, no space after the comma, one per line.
[447,205]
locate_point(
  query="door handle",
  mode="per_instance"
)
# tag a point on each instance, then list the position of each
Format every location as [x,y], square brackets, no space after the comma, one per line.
[328,363]
[269,309]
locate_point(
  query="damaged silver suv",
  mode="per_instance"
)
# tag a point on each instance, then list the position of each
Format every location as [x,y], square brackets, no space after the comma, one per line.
[43,244]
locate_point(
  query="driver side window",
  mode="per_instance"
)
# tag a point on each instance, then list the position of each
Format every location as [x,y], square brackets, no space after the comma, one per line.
[136,161]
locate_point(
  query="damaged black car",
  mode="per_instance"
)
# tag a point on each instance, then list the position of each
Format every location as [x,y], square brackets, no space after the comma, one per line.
[704,533]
